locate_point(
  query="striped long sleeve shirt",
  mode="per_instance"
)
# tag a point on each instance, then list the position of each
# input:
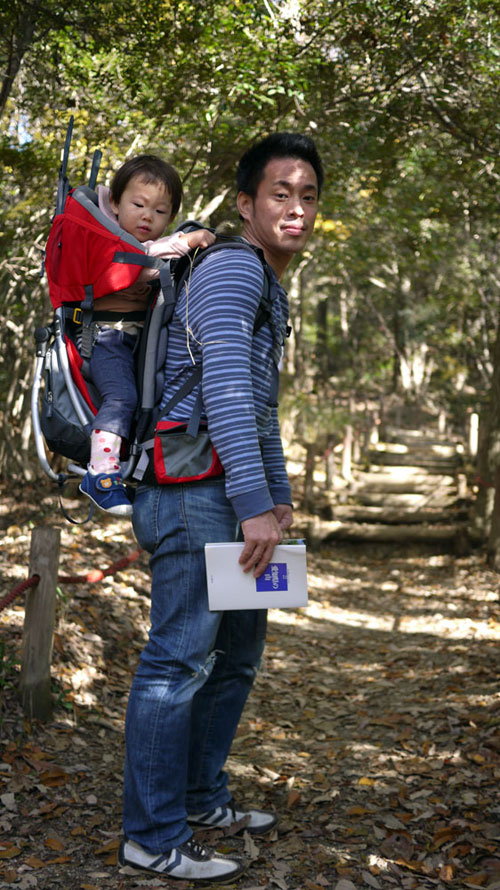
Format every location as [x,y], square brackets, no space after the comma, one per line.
[214,321]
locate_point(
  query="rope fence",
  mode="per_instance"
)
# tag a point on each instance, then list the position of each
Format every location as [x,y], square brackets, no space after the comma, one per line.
[24,585]
[96,575]
[91,577]
[35,687]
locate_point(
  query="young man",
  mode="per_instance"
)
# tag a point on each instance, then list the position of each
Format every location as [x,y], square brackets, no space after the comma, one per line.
[198,666]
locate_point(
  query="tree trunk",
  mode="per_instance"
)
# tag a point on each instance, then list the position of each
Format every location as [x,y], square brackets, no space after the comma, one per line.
[308,495]
[494,458]
[18,41]
[493,551]
[482,510]
[330,464]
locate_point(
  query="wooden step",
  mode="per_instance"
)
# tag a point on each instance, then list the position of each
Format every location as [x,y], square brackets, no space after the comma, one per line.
[351,513]
[400,482]
[413,491]
[404,533]
[419,437]
[406,500]
[419,449]
[430,464]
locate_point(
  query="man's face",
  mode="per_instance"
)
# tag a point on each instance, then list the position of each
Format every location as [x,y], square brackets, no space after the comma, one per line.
[281,217]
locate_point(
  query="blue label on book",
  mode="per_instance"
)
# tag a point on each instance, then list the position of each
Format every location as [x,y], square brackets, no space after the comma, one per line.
[274,578]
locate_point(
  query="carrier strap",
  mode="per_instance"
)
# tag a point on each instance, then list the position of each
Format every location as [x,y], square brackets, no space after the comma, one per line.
[75,315]
[195,377]
[70,518]
[187,387]
[161,315]
[138,259]
[87,306]
[192,427]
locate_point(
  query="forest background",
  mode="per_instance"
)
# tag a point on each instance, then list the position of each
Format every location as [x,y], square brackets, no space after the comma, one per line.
[396,299]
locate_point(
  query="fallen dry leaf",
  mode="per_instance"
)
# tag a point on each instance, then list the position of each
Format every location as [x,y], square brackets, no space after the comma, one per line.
[9,852]
[53,843]
[372,729]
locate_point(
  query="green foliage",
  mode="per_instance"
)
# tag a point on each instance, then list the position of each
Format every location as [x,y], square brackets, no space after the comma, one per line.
[400,288]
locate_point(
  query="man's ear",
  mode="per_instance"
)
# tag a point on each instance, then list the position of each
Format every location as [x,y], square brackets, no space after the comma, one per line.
[244,204]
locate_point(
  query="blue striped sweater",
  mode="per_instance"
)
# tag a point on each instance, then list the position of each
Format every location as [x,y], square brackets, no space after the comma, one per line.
[215,317]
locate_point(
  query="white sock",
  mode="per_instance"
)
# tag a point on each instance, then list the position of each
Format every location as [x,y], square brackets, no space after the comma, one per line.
[104,452]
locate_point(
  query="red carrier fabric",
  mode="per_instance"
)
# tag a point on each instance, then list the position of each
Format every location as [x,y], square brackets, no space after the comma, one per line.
[81,250]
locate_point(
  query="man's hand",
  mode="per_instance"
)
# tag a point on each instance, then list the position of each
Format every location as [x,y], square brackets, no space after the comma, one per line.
[284,515]
[261,534]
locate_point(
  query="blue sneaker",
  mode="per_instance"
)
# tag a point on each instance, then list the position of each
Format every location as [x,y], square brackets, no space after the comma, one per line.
[108,492]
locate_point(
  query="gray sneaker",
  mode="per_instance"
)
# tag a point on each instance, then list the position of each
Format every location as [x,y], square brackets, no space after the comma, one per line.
[253,821]
[187,862]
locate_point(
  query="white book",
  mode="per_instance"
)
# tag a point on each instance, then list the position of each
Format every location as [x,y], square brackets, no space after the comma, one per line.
[283,584]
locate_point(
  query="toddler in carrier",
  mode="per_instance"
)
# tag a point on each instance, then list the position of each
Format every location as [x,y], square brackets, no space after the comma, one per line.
[144,198]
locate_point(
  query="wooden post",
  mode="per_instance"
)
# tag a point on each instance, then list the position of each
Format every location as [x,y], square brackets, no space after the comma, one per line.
[330,466]
[39,622]
[473,434]
[371,436]
[347,454]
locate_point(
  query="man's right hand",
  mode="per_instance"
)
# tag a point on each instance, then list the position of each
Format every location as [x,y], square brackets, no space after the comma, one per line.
[261,534]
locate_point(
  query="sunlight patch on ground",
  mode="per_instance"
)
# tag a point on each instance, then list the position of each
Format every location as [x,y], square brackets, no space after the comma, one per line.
[432,623]
[352,618]
[454,629]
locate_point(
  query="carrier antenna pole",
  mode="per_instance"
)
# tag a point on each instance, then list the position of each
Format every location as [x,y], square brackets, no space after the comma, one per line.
[96,161]
[63,185]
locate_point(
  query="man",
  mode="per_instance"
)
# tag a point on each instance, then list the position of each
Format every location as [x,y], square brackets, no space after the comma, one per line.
[198,666]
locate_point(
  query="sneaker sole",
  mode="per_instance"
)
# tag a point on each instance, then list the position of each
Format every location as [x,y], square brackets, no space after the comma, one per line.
[228,879]
[113,511]
[207,826]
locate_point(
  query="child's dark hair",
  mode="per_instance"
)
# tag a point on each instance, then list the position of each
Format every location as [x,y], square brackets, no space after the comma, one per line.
[250,170]
[151,169]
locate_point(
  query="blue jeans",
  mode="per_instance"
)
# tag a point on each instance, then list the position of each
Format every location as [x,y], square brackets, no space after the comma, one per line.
[112,369]
[194,674]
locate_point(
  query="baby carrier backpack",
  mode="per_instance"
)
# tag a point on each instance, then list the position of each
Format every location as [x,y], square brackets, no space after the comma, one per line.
[85,246]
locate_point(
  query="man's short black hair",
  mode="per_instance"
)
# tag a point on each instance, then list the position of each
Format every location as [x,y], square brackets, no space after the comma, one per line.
[251,167]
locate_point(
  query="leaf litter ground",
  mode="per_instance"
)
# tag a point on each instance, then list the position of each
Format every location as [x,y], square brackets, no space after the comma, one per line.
[373,727]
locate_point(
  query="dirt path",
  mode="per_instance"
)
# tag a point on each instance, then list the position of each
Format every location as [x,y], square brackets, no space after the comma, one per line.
[373,727]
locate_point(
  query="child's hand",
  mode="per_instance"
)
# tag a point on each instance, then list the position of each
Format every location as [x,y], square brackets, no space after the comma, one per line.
[200,238]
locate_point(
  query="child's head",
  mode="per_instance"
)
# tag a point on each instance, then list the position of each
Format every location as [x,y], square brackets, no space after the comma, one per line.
[145,194]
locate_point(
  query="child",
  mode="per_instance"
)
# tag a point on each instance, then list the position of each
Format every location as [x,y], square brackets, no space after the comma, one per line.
[144,198]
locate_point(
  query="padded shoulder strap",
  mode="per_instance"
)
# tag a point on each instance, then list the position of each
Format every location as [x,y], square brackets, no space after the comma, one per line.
[149,353]
[184,266]
[87,198]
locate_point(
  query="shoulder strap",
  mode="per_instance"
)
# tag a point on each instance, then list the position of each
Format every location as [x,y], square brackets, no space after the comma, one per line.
[184,266]
[161,313]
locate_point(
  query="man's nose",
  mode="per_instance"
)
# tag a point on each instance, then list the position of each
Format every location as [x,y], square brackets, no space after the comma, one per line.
[295,207]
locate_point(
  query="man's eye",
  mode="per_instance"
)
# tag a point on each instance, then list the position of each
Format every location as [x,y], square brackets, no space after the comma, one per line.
[162,212]
[136,204]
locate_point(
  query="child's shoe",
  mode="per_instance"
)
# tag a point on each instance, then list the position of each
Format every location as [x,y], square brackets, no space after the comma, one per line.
[108,492]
